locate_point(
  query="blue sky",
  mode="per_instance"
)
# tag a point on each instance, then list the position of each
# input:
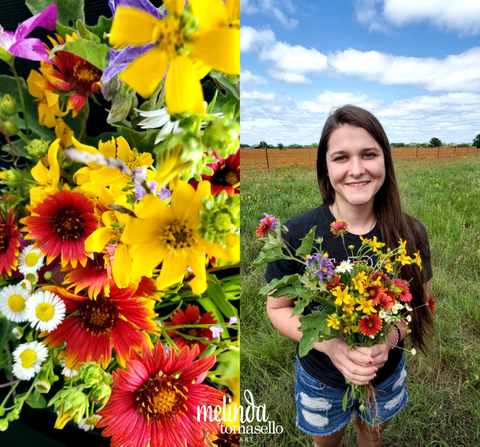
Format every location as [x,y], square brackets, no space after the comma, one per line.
[415,64]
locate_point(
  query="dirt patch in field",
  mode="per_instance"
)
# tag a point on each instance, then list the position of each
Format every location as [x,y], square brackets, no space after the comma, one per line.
[257,159]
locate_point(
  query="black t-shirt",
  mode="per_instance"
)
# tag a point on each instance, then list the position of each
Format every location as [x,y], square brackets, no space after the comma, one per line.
[316,363]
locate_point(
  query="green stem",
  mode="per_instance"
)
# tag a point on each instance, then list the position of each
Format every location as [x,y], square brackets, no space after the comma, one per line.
[23,137]
[12,389]
[83,132]
[167,328]
[24,398]
[20,93]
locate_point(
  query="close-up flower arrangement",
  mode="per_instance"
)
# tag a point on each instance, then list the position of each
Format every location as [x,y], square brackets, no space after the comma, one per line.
[359,303]
[119,252]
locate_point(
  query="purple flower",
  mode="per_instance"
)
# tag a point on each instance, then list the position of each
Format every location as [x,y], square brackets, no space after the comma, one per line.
[216,330]
[16,43]
[233,320]
[312,259]
[326,268]
[165,193]
[142,5]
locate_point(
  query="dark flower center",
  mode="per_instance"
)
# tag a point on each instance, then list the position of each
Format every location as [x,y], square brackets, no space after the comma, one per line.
[177,235]
[68,223]
[161,398]
[225,177]
[4,237]
[98,316]
[98,262]
[82,76]
[194,332]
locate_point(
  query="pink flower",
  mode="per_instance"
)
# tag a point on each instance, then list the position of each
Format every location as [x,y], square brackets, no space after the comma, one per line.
[339,227]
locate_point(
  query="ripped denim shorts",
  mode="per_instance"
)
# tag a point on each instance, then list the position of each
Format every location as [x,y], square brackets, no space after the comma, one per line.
[319,407]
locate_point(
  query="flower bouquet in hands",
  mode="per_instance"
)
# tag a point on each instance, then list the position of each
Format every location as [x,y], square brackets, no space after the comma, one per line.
[359,303]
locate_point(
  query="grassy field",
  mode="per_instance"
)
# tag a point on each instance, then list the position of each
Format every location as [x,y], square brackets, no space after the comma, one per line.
[444,386]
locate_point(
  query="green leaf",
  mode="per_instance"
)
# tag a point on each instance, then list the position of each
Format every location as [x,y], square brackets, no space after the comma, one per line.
[208,304]
[85,33]
[105,136]
[64,30]
[36,400]
[314,328]
[86,49]
[224,81]
[69,11]
[103,26]
[278,283]
[216,293]
[307,243]
[143,140]
[266,257]
[345,400]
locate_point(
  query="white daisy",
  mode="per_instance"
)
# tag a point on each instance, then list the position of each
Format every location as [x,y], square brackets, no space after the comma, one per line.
[30,260]
[345,266]
[18,332]
[413,351]
[409,318]
[89,423]
[45,310]
[67,372]
[28,359]
[159,118]
[26,285]
[382,314]
[13,302]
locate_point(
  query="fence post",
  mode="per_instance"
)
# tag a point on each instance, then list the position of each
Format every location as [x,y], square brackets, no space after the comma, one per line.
[266,153]
[438,152]
[416,153]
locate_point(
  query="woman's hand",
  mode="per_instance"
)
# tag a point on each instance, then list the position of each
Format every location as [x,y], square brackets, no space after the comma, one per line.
[356,365]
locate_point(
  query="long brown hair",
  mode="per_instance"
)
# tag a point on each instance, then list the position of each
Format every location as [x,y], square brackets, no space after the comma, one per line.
[394,223]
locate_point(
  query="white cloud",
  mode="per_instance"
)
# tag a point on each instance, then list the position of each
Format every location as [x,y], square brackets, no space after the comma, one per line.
[272,8]
[292,78]
[252,39]
[326,101]
[452,117]
[249,78]
[454,73]
[461,16]
[253,94]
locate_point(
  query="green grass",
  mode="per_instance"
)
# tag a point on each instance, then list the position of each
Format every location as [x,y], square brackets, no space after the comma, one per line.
[444,386]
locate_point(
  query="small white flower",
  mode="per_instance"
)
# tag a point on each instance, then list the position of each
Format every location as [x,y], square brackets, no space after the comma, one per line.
[159,118]
[30,260]
[26,285]
[413,351]
[382,314]
[13,302]
[409,318]
[28,359]
[89,423]
[43,386]
[67,372]
[372,336]
[45,310]
[18,331]
[345,266]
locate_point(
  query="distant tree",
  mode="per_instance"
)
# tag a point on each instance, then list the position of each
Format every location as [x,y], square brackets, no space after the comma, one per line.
[476,141]
[397,144]
[314,145]
[280,146]
[262,145]
[270,146]
[435,142]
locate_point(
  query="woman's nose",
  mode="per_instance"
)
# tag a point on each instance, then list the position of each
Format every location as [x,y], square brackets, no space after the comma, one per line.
[356,167]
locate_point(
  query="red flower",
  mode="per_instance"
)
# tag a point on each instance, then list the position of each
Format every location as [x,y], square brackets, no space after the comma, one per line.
[267,224]
[385,301]
[94,276]
[98,324]
[431,304]
[370,325]
[154,402]
[191,316]
[335,283]
[60,224]
[374,293]
[9,243]
[339,227]
[404,292]
[226,175]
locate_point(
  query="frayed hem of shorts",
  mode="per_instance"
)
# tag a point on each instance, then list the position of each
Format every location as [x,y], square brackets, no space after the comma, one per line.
[323,434]
[385,420]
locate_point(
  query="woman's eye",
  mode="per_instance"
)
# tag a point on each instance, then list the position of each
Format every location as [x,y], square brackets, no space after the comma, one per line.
[341,158]
[369,155]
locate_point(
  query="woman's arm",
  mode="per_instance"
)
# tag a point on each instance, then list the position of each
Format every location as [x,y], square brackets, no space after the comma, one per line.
[357,367]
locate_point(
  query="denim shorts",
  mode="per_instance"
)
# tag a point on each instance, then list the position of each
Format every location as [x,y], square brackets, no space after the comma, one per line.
[319,407]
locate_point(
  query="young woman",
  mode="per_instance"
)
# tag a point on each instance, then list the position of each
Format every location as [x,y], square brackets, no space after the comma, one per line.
[357,182]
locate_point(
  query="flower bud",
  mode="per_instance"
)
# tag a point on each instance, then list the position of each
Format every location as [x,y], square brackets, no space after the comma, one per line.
[10,126]
[18,332]
[13,415]
[8,106]
[38,148]
[11,177]
[3,425]
[222,135]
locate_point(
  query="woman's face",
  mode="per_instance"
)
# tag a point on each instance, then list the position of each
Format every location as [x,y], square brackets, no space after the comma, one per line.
[355,166]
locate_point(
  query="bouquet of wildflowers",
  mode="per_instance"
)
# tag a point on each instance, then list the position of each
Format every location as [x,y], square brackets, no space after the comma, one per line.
[119,252]
[359,303]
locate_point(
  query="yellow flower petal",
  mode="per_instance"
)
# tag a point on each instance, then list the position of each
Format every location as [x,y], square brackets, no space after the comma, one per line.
[132,27]
[186,205]
[123,149]
[122,266]
[196,261]
[141,231]
[233,8]
[108,149]
[216,250]
[40,173]
[105,176]
[145,258]
[174,6]
[98,239]
[145,73]
[173,268]
[152,207]
[219,48]
[202,69]
[210,13]
[183,91]
[36,84]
